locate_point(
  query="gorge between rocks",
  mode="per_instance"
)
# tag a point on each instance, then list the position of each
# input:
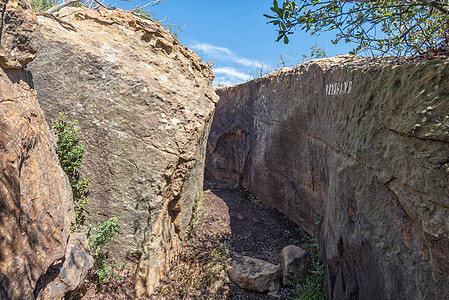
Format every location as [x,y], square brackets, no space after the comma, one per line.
[345,157]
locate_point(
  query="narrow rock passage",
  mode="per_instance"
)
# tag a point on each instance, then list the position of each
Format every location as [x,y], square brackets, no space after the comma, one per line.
[228,221]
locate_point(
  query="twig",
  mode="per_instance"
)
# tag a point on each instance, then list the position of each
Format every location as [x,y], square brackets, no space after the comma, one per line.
[154,3]
[62,22]
[102,5]
[61,5]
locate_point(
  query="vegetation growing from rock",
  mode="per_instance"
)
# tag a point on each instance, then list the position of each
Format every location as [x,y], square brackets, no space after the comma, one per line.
[385,27]
[70,153]
[312,286]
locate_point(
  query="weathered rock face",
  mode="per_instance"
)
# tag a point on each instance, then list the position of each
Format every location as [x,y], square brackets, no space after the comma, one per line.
[63,280]
[36,206]
[18,38]
[356,151]
[144,104]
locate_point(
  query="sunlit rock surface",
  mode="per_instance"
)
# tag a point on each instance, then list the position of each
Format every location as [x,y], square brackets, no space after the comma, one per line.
[144,104]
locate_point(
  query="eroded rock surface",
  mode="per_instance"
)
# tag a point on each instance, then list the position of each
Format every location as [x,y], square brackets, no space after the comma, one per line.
[144,104]
[356,152]
[255,274]
[18,37]
[63,280]
[36,206]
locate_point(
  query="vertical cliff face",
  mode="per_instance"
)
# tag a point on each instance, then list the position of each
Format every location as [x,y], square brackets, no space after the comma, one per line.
[144,104]
[356,151]
[36,206]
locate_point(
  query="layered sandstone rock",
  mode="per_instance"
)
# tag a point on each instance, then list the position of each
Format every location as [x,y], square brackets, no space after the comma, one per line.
[36,206]
[356,151]
[144,104]
[37,250]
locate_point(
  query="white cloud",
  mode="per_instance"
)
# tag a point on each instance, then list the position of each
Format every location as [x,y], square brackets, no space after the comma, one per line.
[229,68]
[231,72]
[224,54]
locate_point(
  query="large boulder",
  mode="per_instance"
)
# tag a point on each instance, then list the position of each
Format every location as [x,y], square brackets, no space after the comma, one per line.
[36,206]
[144,104]
[356,152]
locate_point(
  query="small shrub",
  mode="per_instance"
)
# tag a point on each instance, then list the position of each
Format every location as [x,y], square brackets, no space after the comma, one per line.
[70,153]
[101,236]
[42,5]
[198,213]
[68,147]
[312,286]
[254,199]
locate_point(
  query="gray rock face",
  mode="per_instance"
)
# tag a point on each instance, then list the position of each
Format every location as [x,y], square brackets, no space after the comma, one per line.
[294,263]
[63,281]
[144,104]
[356,152]
[255,274]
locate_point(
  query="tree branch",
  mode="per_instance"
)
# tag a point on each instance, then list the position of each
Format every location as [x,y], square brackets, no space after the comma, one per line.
[61,5]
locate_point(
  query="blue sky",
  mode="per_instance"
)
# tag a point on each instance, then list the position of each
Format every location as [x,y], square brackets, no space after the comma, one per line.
[234,34]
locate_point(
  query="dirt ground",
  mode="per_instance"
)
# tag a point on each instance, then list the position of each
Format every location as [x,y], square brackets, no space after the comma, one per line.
[227,219]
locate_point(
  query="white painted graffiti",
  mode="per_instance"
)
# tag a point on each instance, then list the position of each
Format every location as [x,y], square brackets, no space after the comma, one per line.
[339,88]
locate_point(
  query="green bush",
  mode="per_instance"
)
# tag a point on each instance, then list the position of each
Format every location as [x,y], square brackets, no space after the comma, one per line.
[312,286]
[70,153]
[379,27]
[101,236]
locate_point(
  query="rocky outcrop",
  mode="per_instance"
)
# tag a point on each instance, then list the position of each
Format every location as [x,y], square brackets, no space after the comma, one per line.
[18,35]
[144,104]
[36,206]
[356,152]
[255,274]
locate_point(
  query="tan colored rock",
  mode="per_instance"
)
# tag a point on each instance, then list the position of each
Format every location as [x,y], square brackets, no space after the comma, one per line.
[294,263]
[36,206]
[355,150]
[255,274]
[144,104]
[19,37]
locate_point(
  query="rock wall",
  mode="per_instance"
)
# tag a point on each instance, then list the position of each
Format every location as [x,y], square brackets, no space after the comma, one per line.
[144,104]
[356,151]
[36,206]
